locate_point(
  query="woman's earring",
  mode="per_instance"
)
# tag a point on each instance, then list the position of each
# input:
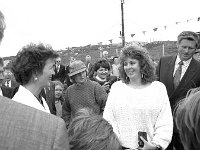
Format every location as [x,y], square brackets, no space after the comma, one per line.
[35,79]
[142,75]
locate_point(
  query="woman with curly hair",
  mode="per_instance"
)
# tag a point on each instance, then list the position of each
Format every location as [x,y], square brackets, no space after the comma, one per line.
[33,69]
[139,104]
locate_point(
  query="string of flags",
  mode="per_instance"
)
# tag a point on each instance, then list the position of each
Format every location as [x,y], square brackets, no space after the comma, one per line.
[165,27]
[154,29]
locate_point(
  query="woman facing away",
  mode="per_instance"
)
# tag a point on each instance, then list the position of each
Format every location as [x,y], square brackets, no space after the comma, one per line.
[138,103]
[187,119]
[33,69]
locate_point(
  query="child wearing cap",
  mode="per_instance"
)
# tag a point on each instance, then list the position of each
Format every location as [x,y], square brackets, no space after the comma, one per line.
[84,93]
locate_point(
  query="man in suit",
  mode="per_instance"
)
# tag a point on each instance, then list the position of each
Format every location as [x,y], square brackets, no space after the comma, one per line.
[48,93]
[26,128]
[179,74]
[60,72]
[5,91]
[9,79]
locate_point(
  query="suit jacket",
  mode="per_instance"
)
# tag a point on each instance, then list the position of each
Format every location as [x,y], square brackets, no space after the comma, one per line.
[60,75]
[67,79]
[14,84]
[48,93]
[26,128]
[191,78]
[8,92]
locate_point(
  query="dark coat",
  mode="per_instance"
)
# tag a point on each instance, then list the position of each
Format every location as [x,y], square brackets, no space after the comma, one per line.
[61,75]
[48,93]
[9,92]
[191,78]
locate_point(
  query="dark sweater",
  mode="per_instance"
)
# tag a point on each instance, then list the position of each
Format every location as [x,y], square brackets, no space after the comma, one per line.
[88,95]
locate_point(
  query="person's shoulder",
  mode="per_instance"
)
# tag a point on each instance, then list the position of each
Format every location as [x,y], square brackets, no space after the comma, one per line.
[118,84]
[20,108]
[93,82]
[196,62]
[167,57]
[158,85]
[71,87]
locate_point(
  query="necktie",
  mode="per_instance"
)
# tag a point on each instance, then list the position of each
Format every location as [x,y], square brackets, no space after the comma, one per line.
[177,75]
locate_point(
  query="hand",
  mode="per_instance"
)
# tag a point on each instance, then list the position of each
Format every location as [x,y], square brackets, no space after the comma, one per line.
[147,145]
[106,86]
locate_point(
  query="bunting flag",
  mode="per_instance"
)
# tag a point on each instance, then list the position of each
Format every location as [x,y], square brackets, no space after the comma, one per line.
[132,35]
[155,29]
[100,43]
[110,41]
[144,32]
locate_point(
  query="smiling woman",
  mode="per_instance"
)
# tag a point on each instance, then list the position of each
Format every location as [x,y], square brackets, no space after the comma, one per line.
[33,68]
[139,104]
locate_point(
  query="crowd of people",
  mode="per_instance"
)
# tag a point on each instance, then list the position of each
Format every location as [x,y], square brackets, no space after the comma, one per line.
[126,102]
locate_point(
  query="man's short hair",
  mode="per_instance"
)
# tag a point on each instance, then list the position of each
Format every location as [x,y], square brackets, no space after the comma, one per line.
[189,35]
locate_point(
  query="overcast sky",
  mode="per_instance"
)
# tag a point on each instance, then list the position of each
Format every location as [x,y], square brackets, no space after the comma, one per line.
[66,23]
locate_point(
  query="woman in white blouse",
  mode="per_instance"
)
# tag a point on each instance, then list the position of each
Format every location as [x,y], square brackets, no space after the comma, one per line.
[33,69]
[138,103]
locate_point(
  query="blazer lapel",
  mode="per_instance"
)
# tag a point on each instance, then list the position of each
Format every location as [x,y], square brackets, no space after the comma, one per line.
[190,72]
[170,70]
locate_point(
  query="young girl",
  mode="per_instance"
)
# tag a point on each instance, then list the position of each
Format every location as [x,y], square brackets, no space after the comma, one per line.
[58,97]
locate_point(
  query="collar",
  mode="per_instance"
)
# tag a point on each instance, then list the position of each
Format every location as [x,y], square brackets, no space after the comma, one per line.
[97,77]
[184,62]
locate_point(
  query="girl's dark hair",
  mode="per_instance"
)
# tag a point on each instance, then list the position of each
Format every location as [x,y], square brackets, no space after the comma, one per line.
[101,63]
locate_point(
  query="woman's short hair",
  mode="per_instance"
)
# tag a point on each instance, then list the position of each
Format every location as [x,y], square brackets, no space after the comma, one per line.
[31,60]
[147,67]
[92,132]
[187,119]
[101,63]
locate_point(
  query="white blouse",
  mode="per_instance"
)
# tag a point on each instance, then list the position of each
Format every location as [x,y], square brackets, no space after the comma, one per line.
[24,96]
